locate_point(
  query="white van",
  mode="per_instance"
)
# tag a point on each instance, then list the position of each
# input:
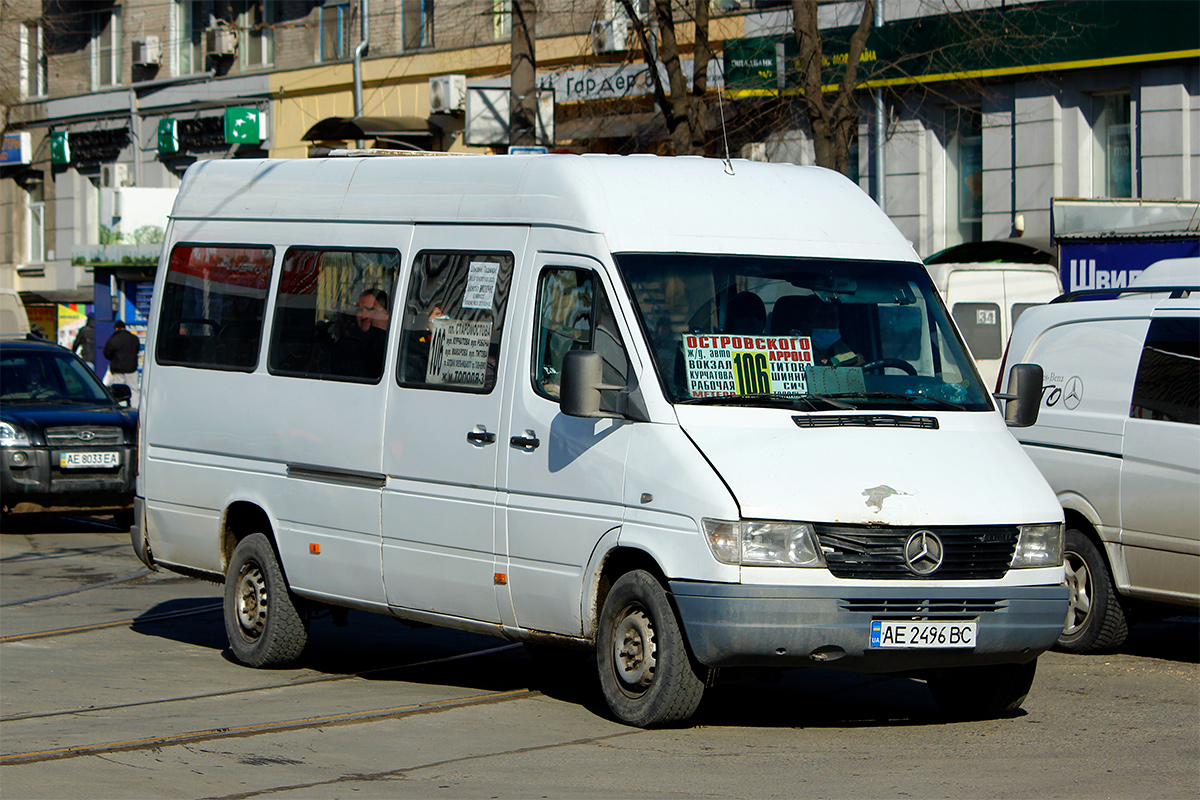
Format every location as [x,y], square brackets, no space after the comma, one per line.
[987,298]
[592,402]
[1118,438]
[14,321]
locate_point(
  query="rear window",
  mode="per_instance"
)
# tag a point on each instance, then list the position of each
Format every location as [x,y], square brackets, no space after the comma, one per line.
[1168,378]
[213,305]
[980,326]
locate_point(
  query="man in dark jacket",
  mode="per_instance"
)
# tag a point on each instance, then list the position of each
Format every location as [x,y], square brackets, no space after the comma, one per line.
[85,342]
[121,350]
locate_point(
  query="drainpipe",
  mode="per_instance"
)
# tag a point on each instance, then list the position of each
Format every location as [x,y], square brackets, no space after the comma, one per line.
[359,52]
[135,130]
[880,131]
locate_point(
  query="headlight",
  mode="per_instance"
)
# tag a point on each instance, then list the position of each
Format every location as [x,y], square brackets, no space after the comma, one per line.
[756,543]
[12,436]
[1039,546]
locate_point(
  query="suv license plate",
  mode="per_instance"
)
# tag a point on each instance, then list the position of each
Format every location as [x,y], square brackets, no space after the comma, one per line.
[86,460]
[905,634]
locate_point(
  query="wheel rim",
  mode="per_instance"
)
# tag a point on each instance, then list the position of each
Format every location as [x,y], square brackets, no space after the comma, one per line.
[635,657]
[251,601]
[1079,579]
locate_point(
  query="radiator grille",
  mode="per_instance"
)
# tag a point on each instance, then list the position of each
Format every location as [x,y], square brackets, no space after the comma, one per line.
[970,553]
[83,436]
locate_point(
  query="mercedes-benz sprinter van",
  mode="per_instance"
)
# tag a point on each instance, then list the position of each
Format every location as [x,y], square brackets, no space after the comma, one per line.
[688,413]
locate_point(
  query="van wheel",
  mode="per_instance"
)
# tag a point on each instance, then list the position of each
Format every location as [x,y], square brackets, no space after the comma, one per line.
[1095,619]
[263,620]
[968,693]
[646,673]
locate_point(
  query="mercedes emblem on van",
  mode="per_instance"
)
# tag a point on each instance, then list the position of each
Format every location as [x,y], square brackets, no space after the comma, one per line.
[923,553]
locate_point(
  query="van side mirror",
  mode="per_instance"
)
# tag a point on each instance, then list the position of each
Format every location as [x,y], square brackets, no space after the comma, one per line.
[1024,396]
[580,385]
[121,392]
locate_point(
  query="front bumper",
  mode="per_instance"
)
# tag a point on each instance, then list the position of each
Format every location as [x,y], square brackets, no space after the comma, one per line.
[37,478]
[788,626]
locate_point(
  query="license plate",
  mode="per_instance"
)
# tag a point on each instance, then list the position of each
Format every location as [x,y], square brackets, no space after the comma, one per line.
[906,634]
[88,460]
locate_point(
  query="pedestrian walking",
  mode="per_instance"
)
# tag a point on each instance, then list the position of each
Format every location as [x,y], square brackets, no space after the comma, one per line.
[84,345]
[121,350]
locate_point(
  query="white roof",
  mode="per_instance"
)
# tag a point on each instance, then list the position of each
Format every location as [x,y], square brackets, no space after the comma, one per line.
[639,203]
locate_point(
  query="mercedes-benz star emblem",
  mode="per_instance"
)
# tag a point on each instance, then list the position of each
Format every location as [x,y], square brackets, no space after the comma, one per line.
[923,552]
[1073,393]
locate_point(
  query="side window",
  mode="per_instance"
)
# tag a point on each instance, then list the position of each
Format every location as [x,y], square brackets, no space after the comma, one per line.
[980,326]
[453,320]
[332,313]
[573,313]
[213,306]
[1168,377]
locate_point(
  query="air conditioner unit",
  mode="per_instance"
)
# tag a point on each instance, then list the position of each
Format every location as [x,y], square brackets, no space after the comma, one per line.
[610,35]
[147,52]
[221,42]
[114,176]
[447,93]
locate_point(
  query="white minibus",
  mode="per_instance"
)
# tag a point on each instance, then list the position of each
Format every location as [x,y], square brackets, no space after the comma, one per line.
[692,414]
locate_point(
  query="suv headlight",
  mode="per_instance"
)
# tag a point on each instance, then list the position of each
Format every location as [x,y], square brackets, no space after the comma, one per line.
[759,543]
[12,436]
[1039,546]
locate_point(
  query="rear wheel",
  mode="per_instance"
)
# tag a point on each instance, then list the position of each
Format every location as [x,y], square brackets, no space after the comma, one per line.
[984,692]
[264,621]
[646,673]
[1095,619]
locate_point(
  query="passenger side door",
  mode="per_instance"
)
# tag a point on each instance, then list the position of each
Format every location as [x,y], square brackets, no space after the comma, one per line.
[564,476]
[443,420]
[1160,465]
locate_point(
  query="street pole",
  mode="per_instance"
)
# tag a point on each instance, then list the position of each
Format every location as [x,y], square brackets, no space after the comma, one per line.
[522,109]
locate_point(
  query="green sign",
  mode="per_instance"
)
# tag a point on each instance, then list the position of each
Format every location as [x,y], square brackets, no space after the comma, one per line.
[752,64]
[60,147]
[242,126]
[168,136]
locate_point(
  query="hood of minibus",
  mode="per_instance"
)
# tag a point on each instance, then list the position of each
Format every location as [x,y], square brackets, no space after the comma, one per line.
[967,471]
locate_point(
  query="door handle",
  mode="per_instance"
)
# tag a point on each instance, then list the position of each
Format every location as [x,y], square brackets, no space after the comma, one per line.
[481,437]
[527,442]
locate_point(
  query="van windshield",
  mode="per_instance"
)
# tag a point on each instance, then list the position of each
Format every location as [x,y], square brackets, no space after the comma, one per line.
[803,333]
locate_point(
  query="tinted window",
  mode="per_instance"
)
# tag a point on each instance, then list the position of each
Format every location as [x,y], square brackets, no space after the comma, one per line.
[453,320]
[47,377]
[213,304]
[980,326]
[574,314]
[332,313]
[1168,376]
[1020,308]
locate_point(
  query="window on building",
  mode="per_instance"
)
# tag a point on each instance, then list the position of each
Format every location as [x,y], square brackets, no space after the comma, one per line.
[333,313]
[32,60]
[1167,386]
[35,228]
[335,39]
[453,321]
[213,306]
[417,23]
[256,33]
[1112,145]
[106,48]
[501,19]
[183,43]
[964,176]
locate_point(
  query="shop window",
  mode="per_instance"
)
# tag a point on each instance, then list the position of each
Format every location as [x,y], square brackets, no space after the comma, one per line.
[333,313]
[964,176]
[106,47]
[212,309]
[574,314]
[1112,145]
[980,326]
[1168,378]
[453,320]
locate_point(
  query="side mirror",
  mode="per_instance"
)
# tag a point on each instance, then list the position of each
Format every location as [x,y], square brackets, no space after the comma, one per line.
[121,392]
[580,385]
[1024,396]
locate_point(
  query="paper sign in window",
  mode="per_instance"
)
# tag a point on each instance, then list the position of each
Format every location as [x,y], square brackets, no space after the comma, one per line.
[481,285]
[719,364]
[458,352]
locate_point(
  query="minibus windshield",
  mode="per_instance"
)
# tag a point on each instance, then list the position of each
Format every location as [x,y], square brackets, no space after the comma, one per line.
[808,334]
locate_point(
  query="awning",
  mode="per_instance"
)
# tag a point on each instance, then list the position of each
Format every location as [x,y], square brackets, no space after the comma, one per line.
[378,128]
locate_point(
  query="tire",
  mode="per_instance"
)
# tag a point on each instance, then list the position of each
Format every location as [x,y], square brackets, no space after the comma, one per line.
[264,621]
[1096,621]
[647,676]
[988,692]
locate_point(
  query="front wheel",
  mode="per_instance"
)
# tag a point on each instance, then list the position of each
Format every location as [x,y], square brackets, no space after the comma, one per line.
[987,692]
[646,673]
[1095,620]
[263,620]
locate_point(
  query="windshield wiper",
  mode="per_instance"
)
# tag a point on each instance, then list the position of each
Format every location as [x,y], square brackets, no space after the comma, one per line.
[811,400]
[913,399]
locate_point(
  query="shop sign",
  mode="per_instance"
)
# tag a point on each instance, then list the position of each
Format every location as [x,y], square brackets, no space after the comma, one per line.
[243,126]
[60,147]
[17,149]
[168,136]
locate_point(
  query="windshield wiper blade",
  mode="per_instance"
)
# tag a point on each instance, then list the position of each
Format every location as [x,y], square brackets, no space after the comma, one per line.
[913,399]
[788,401]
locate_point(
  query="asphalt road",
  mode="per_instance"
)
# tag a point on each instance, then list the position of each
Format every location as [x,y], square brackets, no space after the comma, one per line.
[116,683]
